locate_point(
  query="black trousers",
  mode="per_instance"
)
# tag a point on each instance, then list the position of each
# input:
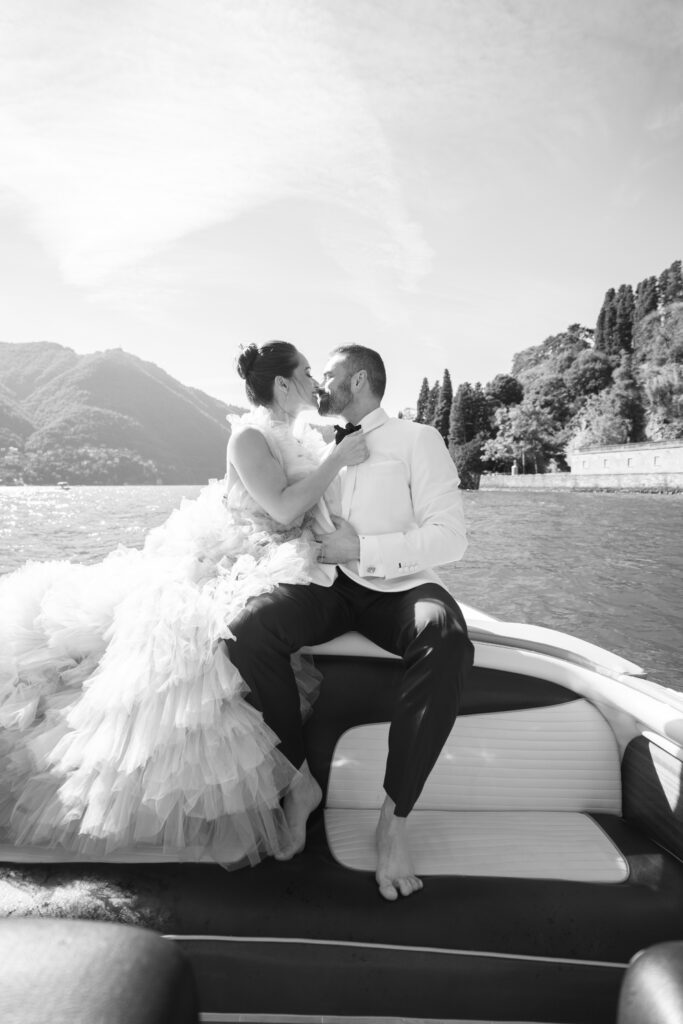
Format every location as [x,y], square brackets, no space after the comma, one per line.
[423,625]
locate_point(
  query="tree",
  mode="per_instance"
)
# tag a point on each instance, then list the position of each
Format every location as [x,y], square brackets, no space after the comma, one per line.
[676,282]
[591,372]
[552,395]
[623,328]
[481,413]
[601,422]
[659,372]
[503,449]
[629,399]
[432,403]
[461,413]
[504,389]
[443,409]
[670,284]
[467,459]
[606,323]
[555,355]
[470,415]
[645,299]
[422,402]
[525,435]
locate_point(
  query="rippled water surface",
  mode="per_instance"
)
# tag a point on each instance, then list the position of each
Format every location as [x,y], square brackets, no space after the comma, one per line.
[605,567]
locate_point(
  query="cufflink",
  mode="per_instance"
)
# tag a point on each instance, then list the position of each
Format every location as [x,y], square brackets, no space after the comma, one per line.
[371,570]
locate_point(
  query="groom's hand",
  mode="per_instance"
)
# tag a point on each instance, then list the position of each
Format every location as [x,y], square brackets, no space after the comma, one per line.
[341,546]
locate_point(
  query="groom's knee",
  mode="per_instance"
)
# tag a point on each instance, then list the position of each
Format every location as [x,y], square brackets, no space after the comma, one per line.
[441,633]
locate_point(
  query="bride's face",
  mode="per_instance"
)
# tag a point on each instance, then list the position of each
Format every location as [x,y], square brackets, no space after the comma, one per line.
[302,387]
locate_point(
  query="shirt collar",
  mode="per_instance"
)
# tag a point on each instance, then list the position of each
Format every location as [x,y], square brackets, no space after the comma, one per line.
[374,419]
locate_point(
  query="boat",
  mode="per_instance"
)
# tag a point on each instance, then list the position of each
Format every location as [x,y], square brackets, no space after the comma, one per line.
[549,838]
[64,485]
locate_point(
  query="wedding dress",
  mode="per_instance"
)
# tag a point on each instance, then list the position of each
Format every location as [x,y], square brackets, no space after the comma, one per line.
[124,723]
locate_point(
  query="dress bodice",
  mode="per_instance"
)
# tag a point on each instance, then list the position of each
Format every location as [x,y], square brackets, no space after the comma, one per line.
[299,449]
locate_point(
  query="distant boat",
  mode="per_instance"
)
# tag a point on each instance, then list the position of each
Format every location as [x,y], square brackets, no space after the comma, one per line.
[63,484]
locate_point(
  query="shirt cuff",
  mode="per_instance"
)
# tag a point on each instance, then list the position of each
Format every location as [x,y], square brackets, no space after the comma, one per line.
[370,561]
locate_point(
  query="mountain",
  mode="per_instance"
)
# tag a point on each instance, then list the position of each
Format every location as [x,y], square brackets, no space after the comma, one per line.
[108,417]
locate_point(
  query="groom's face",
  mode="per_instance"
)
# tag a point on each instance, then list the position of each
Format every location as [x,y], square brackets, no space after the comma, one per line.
[334,394]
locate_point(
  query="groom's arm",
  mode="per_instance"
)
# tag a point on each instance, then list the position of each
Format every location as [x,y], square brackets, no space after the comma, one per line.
[438,535]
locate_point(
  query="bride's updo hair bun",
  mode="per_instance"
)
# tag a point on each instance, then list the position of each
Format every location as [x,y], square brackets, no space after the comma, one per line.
[258,366]
[246,360]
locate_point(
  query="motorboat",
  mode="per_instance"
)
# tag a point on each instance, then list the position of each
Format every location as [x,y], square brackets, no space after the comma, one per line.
[549,838]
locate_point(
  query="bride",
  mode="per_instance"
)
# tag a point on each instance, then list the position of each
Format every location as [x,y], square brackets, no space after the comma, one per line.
[124,722]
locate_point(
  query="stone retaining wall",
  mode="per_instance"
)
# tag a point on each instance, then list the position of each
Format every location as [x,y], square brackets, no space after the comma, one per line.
[669,482]
[644,458]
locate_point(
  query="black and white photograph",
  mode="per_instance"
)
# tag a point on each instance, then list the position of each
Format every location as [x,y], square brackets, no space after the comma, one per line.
[341,511]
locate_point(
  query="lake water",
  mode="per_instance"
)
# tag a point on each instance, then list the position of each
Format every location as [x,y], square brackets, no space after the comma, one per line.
[604,567]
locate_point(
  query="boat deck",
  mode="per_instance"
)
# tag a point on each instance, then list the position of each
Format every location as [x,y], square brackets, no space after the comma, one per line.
[312,937]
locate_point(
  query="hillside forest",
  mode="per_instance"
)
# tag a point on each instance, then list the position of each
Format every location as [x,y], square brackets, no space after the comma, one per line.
[616,383]
[106,418]
[112,418]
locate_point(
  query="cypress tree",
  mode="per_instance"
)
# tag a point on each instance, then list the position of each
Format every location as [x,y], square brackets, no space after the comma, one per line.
[422,402]
[645,299]
[604,325]
[675,282]
[670,284]
[481,413]
[623,326]
[432,404]
[663,288]
[443,408]
[461,414]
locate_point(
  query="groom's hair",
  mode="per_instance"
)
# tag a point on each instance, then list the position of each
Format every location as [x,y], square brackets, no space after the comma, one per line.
[357,357]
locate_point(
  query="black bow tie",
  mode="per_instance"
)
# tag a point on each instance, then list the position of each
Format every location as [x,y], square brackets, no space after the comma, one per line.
[341,432]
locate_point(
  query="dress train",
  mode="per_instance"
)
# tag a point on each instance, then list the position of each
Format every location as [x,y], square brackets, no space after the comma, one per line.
[125,724]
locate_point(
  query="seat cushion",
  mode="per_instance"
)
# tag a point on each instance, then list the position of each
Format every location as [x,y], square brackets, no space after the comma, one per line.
[509,796]
[558,758]
[504,844]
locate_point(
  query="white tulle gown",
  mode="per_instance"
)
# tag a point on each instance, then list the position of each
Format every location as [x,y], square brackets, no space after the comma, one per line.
[124,723]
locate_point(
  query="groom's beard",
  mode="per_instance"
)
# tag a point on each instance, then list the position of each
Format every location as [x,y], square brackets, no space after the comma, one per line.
[334,404]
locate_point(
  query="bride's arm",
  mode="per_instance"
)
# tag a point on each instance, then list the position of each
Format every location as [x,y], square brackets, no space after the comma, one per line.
[263,476]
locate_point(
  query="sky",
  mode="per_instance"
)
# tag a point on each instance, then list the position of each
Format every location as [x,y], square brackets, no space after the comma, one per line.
[447,181]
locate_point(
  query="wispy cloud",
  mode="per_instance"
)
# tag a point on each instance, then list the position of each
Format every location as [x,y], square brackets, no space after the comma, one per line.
[127,126]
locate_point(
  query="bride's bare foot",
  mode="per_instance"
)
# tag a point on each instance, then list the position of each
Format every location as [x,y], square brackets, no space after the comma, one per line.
[299,803]
[395,873]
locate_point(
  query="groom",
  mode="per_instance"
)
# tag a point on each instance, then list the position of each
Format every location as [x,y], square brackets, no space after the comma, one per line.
[398,514]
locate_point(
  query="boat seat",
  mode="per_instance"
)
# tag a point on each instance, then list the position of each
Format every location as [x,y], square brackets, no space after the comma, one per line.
[511,795]
[72,972]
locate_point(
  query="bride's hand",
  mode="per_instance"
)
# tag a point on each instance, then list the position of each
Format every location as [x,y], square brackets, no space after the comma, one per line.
[352,449]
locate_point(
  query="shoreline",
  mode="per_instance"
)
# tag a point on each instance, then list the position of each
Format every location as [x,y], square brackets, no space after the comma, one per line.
[671,492]
[600,483]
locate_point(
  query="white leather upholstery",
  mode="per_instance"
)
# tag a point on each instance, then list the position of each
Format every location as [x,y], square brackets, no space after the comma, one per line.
[559,758]
[505,844]
[509,796]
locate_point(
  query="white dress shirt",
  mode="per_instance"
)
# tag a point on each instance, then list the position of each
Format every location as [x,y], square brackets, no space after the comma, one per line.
[403,502]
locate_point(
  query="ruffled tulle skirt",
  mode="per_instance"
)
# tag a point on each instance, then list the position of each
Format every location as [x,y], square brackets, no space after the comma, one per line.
[124,722]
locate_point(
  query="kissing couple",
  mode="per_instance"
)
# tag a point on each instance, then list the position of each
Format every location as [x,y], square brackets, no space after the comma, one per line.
[160,700]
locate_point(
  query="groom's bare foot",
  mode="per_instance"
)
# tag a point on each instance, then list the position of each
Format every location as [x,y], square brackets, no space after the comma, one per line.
[300,801]
[395,873]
